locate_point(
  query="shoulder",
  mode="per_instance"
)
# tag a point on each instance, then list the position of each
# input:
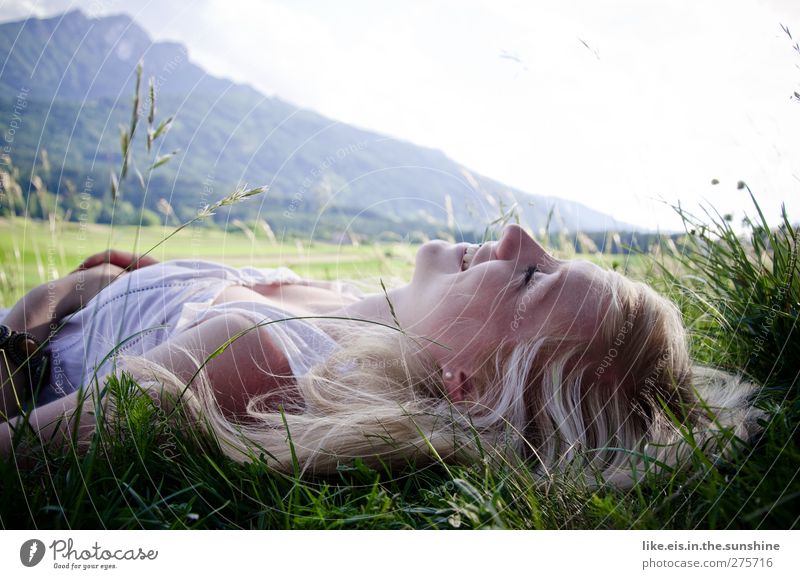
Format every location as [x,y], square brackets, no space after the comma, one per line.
[241,360]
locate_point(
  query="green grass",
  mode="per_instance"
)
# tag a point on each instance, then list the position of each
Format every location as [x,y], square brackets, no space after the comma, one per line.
[32,254]
[732,290]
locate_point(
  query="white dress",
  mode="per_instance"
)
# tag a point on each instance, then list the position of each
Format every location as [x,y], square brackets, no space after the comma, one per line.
[147,306]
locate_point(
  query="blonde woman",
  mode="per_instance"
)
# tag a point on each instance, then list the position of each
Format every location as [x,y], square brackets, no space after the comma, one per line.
[498,350]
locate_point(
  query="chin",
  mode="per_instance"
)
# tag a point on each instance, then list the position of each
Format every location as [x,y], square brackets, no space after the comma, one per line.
[436,257]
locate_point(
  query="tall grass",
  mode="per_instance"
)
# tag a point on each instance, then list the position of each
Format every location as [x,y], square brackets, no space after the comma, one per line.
[739,294]
[150,473]
[743,291]
[740,297]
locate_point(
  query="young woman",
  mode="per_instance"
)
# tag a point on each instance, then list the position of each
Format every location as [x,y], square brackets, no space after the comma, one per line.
[496,350]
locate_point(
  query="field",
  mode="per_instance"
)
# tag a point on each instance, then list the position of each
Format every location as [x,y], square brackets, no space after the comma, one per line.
[739,296]
[32,252]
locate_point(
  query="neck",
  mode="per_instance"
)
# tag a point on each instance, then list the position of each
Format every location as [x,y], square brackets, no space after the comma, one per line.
[375,307]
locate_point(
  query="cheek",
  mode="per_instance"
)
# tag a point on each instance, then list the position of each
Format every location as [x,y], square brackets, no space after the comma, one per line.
[480,300]
[578,315]
[488,304]
[491,289]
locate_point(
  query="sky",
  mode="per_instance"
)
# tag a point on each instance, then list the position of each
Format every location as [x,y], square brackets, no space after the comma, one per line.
[623,105]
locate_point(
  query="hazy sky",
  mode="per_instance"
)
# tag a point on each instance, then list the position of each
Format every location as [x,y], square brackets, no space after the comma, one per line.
[615,104]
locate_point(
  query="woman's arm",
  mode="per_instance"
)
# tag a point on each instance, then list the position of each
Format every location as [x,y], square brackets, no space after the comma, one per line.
[236,375]
[53,422]
[39,313]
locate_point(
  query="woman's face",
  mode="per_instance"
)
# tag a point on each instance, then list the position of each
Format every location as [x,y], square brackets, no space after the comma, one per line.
[471,309]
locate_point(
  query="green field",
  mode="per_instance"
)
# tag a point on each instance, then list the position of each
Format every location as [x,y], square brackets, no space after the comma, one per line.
[32,252]
[740,300]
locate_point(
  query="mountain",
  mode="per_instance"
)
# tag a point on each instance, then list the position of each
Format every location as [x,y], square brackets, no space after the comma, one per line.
[68,81]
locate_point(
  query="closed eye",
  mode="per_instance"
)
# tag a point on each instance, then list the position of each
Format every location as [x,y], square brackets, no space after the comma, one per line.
[532,269]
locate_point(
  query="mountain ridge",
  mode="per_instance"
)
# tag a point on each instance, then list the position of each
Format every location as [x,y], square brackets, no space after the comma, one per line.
[80,75]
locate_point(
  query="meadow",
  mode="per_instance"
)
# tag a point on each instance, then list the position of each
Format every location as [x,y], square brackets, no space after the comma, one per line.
[33,252]
[740,298]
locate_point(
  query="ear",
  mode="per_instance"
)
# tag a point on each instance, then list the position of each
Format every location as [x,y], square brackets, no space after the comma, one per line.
[459,386]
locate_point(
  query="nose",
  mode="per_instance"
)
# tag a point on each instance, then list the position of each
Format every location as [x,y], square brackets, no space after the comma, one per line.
[516,244]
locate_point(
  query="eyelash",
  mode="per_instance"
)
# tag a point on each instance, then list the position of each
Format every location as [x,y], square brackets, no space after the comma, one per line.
[532,269]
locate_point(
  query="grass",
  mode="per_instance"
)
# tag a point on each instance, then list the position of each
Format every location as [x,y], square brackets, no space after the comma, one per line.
[32,253]
[740,296]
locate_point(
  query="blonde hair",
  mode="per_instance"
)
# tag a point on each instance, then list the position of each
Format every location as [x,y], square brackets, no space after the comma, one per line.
[606,409]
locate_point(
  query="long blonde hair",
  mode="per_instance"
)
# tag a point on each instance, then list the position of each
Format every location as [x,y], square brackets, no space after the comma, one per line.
[546,399]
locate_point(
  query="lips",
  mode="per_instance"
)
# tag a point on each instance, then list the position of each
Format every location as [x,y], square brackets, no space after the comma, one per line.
[469,255]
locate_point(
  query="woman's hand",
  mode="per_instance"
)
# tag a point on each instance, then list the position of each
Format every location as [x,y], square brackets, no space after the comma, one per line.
[41,309]
[122,259]
[40,313]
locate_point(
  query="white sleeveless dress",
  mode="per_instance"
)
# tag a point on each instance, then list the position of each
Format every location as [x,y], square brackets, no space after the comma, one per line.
[147,306]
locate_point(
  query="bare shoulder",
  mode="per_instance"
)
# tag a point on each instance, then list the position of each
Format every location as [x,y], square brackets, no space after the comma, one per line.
[250,362]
